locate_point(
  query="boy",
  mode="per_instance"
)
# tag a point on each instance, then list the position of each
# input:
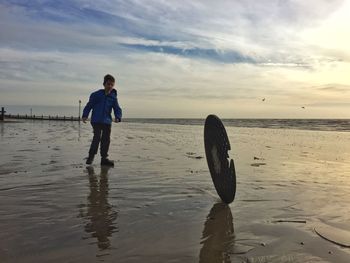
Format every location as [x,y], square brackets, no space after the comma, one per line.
[102,102]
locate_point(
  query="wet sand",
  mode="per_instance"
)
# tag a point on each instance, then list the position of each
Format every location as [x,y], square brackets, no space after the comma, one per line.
[158,203]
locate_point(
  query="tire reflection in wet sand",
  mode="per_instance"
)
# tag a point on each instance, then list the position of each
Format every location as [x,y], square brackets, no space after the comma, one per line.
[218,235]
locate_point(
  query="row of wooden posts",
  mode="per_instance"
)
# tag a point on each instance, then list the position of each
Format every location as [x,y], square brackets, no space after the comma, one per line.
[37,117]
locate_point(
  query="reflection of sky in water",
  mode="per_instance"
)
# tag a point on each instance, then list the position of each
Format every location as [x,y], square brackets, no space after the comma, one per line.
[157,199]
[100,215]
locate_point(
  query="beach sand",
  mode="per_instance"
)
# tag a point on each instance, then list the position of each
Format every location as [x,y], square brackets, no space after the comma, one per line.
[158,203]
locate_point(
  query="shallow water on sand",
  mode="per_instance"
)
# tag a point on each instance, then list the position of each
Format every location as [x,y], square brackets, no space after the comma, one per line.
[158,203]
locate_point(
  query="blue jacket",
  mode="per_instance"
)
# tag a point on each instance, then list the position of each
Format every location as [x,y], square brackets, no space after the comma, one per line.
[101,106]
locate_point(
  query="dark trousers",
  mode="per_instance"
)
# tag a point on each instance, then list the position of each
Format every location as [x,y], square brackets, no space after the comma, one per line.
[102,133]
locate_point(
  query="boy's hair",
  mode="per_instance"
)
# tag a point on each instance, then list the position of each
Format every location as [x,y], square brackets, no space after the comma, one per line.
[108,77]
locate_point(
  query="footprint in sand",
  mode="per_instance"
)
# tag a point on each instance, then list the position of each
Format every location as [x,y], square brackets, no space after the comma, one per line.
[257,164]
[333,234]
[193,156]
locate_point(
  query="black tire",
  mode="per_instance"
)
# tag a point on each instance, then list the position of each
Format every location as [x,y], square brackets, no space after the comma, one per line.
[221,170]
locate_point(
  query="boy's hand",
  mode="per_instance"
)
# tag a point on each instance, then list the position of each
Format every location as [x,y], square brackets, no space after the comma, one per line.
[116,120]
[84,119]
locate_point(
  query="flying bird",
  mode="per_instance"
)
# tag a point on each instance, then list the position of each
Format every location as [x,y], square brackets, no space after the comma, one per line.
[263,99]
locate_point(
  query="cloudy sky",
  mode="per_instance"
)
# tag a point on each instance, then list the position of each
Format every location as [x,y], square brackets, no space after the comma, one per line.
[234,58]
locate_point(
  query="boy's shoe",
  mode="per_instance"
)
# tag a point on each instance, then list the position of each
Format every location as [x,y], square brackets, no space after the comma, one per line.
[107,162]
[90,159]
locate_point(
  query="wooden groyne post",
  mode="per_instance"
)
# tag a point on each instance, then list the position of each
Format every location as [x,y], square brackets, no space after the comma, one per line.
[2,114]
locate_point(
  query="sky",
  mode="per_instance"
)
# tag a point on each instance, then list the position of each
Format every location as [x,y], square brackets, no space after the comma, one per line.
[180,59]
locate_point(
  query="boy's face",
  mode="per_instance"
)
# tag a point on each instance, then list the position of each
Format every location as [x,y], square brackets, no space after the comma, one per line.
[109,86]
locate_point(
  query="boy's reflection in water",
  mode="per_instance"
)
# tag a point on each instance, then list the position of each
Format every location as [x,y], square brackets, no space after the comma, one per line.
[100,213]
[218,235]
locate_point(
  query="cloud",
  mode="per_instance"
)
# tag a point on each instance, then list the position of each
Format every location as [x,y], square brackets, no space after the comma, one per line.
[334,88]
[330,104]
[210,54]
[225,31]
[222,54]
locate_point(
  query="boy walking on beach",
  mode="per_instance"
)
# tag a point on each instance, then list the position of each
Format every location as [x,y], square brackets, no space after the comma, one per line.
[101,103]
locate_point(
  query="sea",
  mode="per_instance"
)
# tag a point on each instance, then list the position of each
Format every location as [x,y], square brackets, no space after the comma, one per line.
[300,124]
